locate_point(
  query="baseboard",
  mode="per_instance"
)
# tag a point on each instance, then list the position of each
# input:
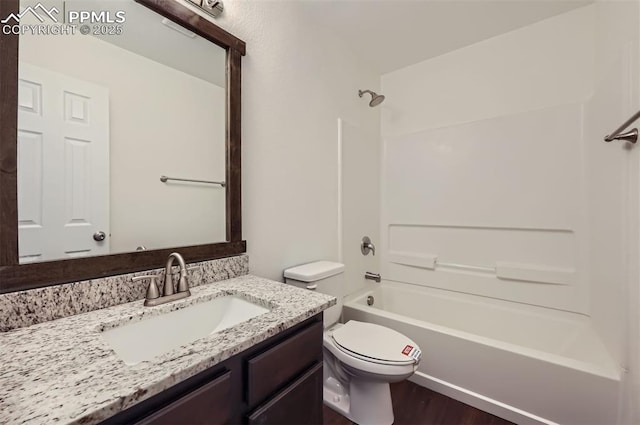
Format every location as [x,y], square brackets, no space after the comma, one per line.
[479,401]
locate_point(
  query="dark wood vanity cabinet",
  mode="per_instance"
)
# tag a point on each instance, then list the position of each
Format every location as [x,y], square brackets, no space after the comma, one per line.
[278,381]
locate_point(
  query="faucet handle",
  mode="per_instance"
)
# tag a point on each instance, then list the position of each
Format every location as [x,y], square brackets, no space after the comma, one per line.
[152,290]
[366,246]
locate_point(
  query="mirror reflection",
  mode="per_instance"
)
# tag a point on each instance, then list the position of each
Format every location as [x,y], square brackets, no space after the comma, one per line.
[101,117]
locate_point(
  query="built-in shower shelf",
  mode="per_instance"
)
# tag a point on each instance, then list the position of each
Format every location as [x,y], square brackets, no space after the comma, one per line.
[502,270]
[532,273]
[407,259]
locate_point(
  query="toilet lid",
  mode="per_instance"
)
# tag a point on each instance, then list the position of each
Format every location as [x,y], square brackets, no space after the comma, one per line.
[377,342]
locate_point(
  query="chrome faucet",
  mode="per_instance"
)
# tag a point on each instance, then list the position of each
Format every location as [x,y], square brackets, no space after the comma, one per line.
[153,297]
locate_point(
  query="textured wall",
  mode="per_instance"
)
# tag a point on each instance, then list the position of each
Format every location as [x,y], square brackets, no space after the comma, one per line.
[298,79]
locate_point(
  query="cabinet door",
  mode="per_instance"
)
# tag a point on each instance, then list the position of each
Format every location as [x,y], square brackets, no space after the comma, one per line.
[298,404]
[209,404]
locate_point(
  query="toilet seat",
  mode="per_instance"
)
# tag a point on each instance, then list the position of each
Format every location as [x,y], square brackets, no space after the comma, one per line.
[363,366]
[375,344]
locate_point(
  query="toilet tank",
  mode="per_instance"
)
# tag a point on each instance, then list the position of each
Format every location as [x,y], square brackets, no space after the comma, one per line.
[325,277]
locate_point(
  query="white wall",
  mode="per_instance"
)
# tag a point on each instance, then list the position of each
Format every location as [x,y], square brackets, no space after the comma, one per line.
[609,169]
[360,207]
[614,183]
[149,138]
[298,79]
[547,63]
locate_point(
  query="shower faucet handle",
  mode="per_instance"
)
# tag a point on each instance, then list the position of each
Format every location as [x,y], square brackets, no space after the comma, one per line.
[366,246]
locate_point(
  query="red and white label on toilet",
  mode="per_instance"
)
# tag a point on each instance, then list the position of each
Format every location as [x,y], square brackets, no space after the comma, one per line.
[411,351]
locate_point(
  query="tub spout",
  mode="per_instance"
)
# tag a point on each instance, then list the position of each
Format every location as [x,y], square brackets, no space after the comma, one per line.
[372,276]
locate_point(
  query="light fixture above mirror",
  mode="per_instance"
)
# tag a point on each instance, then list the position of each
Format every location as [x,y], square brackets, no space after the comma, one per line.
[212,7]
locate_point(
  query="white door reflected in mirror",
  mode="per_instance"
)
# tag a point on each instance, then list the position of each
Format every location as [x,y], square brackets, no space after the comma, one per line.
[61,207]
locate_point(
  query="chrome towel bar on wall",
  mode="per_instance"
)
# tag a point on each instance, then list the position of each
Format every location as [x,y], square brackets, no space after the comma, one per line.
[630,136]
[165,179]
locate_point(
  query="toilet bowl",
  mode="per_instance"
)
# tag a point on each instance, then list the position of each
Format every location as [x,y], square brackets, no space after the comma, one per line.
[360,359]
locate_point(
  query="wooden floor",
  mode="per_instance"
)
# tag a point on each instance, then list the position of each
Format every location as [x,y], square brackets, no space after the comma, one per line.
[415,405]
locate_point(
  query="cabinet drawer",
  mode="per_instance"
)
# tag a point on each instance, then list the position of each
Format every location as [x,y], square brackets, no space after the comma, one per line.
[209,404]
[298,404]
[276,367]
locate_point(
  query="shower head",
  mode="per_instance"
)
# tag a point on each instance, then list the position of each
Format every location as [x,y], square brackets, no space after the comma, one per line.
[376,99]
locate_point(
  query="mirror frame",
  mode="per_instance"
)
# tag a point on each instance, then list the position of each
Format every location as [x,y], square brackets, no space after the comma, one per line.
[15,276]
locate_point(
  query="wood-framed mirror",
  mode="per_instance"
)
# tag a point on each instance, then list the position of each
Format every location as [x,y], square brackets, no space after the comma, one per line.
[15,273]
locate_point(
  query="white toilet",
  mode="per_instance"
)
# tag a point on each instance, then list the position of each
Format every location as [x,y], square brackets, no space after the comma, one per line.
[360,359]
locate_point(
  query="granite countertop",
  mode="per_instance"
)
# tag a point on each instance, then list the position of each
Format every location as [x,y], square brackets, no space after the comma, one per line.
[63,371]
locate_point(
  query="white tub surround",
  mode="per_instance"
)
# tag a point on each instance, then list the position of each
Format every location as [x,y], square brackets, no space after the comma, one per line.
[63,371]
[527,364]
[513,195]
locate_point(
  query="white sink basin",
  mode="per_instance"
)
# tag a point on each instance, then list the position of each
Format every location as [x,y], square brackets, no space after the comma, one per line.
[144,340]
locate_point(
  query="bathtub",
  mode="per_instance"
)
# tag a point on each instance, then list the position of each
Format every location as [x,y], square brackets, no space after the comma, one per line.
[526,364]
